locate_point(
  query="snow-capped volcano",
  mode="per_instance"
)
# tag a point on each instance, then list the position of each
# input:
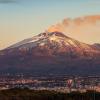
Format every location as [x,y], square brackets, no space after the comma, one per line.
[43,38]
[55,43]
[51,52]
[53,38]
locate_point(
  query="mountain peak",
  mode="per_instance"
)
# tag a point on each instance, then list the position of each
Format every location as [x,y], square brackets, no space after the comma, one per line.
[55,33]
[40,38]
[51,40]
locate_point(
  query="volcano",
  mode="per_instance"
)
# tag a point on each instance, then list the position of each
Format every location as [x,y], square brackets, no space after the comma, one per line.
[51,53]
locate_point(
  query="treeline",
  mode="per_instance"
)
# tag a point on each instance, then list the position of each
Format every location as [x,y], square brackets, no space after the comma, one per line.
[26,94]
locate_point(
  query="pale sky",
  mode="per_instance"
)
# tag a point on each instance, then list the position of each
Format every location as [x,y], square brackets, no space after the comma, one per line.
[20,19]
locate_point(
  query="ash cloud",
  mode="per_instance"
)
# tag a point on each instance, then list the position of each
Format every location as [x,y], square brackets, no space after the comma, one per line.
[85,29]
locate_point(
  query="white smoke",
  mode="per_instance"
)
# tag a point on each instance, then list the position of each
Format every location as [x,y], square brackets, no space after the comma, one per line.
[83,28]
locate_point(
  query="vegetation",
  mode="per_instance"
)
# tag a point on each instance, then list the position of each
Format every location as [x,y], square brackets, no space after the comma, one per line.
[26,94]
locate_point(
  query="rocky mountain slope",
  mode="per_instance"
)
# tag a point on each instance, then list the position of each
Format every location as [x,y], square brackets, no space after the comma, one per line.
[51,53]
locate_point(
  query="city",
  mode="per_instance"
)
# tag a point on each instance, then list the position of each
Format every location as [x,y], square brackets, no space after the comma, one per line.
[63,83]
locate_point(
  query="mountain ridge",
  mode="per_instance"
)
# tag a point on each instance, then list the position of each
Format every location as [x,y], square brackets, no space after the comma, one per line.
[50,53]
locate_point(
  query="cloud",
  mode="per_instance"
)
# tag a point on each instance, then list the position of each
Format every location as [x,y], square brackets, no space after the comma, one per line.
[82,28]
[7,1]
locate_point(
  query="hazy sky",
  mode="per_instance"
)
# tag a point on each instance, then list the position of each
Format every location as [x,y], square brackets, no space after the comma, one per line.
[21,19]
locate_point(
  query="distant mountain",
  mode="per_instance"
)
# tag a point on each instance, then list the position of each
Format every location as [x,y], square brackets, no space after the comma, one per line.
[51,53]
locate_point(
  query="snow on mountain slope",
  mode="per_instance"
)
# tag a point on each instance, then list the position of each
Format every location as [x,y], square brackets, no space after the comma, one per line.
[25,41]
[54,43]
[55,37]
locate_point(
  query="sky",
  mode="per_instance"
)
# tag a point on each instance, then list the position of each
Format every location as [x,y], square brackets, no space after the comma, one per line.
[20,19]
